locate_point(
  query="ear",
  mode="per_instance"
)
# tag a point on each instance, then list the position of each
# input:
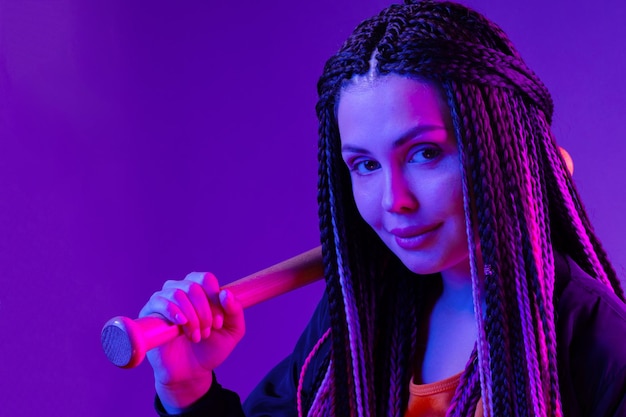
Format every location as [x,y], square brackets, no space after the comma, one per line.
[568,160]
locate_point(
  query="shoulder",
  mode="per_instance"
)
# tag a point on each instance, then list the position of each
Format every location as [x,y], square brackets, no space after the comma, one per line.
[589,306]
[591,334]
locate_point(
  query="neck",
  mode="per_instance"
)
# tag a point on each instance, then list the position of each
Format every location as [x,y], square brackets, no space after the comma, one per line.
[452,331]
[457,294]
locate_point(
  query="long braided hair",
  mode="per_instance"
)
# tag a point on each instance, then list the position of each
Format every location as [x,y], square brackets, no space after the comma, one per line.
[520,204]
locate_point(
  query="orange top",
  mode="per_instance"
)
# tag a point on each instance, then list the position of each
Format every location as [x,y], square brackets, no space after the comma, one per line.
[433,400]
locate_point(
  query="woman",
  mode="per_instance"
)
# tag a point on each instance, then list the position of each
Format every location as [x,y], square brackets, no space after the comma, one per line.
[463,275]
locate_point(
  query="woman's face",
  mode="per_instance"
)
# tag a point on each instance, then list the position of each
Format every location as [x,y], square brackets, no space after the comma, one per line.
[398,143]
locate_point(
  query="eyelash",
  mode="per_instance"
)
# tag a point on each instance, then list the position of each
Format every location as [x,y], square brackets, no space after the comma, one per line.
[356,166]
[428,148]
[359,165]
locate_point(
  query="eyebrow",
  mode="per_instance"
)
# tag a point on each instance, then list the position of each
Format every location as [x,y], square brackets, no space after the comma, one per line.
[408,135]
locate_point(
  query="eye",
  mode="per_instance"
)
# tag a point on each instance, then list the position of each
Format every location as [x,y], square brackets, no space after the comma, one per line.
[424,154]
[364,166]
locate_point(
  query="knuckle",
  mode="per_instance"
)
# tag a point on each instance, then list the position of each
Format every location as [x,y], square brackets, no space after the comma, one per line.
[194,276]
[157,302]
[170,283]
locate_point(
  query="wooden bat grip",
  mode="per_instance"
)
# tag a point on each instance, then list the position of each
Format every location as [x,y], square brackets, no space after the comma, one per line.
[125,341]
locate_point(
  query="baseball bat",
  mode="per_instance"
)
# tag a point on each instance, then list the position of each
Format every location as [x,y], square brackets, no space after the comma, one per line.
[125,341]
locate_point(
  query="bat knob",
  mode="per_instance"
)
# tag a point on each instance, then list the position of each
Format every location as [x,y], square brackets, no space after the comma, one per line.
[120,342]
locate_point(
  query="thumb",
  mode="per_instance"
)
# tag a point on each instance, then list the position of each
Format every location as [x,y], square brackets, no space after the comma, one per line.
[229,303]
[233,312]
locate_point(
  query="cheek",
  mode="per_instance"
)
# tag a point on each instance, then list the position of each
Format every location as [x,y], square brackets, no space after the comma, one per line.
[365,200]
[450,191]
[456,211]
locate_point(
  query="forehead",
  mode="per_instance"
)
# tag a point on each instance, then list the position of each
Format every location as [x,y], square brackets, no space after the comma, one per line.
[386,106]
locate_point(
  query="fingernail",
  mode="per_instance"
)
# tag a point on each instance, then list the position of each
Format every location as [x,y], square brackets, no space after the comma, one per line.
[223,295]
[206,333]
[180,319]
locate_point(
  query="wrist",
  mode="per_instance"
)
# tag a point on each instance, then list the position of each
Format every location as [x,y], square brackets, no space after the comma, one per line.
[176,398]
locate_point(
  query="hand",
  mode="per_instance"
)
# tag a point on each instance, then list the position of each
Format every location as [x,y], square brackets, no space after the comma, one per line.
[213,324]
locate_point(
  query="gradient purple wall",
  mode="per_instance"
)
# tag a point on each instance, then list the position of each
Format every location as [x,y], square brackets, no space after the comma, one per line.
[140,141]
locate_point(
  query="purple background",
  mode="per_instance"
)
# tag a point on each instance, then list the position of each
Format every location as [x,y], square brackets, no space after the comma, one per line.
[140,141]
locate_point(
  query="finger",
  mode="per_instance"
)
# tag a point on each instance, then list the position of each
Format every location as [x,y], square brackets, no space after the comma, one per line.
[158,304]
[192,327]
[212,288]
[200,301]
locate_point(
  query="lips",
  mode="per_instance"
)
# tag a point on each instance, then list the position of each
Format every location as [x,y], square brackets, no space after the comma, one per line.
[414,237]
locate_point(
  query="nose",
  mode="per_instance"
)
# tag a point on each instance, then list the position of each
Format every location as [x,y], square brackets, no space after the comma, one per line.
[398,197]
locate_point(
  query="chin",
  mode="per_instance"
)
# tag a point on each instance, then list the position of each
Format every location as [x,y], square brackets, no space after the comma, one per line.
[425,262]
[419,263]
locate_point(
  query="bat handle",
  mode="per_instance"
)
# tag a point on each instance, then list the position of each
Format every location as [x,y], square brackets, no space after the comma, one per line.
[125,341]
